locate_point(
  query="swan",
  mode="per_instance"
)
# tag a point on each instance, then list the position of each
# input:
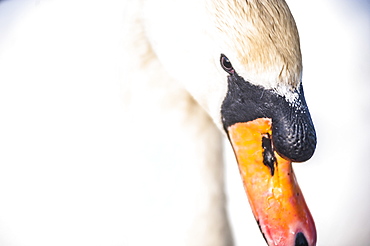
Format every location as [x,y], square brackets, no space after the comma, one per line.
[67,177]
[233,67]
[192,71]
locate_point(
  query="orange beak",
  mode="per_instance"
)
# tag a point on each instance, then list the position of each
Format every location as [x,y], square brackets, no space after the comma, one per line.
[271,186]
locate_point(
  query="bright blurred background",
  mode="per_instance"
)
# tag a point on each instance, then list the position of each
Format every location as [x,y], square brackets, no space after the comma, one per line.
[61,136]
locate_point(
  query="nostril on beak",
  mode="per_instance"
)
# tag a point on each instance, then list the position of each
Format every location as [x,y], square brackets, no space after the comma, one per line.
[300,240]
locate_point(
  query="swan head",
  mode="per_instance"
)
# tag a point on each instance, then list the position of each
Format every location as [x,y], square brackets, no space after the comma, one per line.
[265,115]
[268,132]
[255,95]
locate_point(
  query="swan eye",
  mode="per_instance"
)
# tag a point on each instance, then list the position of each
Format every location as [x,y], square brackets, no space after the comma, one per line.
[226,64]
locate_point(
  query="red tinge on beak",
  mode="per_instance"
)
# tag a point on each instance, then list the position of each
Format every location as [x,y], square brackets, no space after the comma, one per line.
[273,192]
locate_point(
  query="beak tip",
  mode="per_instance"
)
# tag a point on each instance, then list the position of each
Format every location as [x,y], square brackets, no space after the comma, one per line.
[300,240]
